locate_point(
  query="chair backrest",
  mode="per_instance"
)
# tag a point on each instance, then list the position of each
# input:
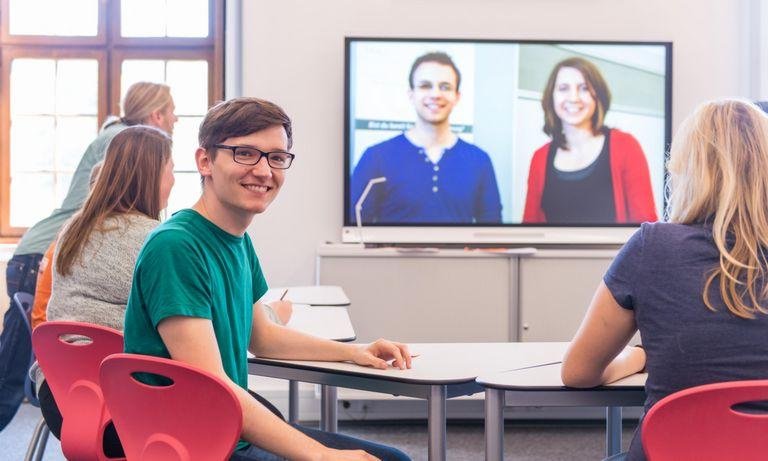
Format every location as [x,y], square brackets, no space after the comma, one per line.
[700,424]
[195,417]
[72,372]
[24,301]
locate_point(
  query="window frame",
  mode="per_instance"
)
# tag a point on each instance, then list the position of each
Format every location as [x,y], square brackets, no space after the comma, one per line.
[110,49]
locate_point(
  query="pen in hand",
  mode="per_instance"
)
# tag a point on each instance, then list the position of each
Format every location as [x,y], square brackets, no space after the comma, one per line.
[285,292]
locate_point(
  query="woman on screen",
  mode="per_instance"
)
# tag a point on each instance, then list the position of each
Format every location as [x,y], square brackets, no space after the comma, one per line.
[694,287]
[588,173]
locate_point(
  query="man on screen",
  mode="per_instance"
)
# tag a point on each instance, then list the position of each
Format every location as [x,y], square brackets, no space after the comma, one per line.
[433,176]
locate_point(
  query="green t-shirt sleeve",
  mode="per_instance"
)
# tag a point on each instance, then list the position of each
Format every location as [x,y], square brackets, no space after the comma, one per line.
[172,278]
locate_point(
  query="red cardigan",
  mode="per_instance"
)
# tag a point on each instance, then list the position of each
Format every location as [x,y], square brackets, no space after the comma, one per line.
[632,192]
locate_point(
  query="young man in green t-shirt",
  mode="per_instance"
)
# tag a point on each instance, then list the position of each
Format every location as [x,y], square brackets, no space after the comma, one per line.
[197,282]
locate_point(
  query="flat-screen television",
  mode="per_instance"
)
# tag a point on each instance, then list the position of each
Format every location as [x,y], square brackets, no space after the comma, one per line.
[504,141]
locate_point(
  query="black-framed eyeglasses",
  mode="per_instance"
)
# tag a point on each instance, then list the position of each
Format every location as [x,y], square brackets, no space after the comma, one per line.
[247,155]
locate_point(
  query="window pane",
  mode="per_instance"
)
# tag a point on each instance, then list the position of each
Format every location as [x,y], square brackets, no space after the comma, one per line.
[187,18]
[164,18]
[54,17]
[185,192]
[73,134]
[32,198]
[77,81]
[189,81]
[141,70]
[142,18]
[185,143]
[54,106]
[33,86]
[32,143]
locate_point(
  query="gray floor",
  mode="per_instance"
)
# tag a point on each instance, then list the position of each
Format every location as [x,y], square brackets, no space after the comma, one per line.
[523,441]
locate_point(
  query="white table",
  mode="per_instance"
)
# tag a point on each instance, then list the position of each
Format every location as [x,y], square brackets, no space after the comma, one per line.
[330,321]
[439,372]
[542,386]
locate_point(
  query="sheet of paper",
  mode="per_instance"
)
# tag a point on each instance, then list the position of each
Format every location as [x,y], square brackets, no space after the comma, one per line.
[317,295]
[330,322]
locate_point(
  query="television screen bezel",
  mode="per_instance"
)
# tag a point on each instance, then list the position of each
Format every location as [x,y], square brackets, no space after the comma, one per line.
[509,233]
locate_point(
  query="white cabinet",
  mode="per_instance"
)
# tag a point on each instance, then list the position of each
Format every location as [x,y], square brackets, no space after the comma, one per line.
[452,295]
[444,296]
[555,289]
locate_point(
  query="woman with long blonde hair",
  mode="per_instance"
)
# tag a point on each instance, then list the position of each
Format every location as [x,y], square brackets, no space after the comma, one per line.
[695,287]
[96,251]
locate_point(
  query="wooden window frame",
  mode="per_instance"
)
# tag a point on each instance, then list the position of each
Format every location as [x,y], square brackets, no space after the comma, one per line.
[110,49]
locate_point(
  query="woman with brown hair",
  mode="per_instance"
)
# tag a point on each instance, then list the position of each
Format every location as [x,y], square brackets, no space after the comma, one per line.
[695,287]
[97,250]
[588,173]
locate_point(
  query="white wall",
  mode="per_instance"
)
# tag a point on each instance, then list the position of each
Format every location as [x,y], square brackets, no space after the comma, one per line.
[756,30]
[293,54]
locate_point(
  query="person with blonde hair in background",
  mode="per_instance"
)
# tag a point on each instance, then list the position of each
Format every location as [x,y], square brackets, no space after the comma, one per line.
[695,287]
[96,252]
[144,103]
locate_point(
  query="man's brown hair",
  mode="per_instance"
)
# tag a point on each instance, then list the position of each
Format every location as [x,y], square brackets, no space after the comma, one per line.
[438,57]
[598,88]
[240,117]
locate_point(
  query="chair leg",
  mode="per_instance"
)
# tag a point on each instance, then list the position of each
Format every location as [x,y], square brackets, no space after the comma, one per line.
[39,437]
[43,443]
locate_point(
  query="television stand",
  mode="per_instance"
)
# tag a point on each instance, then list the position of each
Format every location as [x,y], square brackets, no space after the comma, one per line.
[457,295]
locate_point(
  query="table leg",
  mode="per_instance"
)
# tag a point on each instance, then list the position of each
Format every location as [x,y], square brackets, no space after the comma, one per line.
[328,416]
[436,422]
[494,424]
[612,430]
[293,401]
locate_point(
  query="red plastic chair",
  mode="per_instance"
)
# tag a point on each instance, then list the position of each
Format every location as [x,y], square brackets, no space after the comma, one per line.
[700,424]
[72,373]
[196,417]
